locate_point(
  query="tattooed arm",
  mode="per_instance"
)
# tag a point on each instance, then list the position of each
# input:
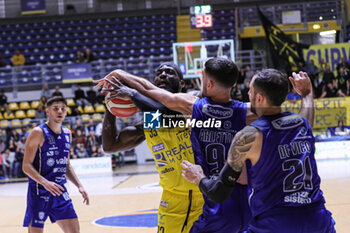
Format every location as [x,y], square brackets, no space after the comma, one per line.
[246,145]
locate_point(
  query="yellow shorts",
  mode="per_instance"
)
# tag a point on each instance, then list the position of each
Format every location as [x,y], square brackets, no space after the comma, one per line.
[177,211]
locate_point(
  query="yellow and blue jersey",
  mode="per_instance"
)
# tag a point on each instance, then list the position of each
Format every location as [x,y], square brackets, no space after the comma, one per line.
[169,148]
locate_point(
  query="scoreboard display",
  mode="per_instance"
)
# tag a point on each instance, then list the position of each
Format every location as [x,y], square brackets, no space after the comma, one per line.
[201,16]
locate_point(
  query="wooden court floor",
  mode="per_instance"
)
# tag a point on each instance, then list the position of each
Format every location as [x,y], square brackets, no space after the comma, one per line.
[123,196]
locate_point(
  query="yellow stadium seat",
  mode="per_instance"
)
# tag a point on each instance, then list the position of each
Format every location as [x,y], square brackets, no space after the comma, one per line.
[31,113]
[85,118]
[4,123]
[35,104]
[89,109]
[16,123]
[69,111]
[100,108]
[80,109]
[20,114]
[26,121]
[70,102]
[18,130]
[24,105]
[13,106]
[1,117]
[97,117]
[9,116]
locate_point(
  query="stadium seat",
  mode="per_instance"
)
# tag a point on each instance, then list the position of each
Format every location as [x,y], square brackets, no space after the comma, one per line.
[9,116]
[1,117]
[26,121]
[15,123]
[89,109]
[100,108]
[24,105]
[4,124]
[35,104]
[69,111]
[13,106]
[85,118]
[97,117]
[20,114]
[80,109]
[70,102]
[31,113]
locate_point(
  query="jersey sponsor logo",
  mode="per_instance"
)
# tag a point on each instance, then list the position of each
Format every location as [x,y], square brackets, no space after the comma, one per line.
[158,147]
[53,148]
[50,162]
[62,161]
[67,138]
[166,170]
[179,153]
[164,204]
[51,139]
[41,215]
[49,153]
[299,197]
[151,120]
[66,196]
[59,179]
[287,122]
[59,169]
[217,111]
[160,159]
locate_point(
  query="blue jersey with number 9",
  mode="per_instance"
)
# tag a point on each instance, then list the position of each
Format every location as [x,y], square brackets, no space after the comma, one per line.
[210,147]
[286,173]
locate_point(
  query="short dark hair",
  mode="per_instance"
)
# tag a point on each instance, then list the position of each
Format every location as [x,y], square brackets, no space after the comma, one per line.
[223,70]
[273,84]
[55,99]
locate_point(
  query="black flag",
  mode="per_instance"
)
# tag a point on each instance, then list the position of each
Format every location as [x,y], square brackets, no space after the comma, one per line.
[286,54]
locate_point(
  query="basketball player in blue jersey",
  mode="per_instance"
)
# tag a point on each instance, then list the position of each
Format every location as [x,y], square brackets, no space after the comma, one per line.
[211,145]
[279,150]
[46,162]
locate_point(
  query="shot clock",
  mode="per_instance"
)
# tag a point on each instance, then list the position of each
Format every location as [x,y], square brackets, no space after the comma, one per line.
[201,16]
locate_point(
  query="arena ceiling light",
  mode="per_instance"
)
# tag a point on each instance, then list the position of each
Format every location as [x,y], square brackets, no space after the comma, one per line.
[330,32]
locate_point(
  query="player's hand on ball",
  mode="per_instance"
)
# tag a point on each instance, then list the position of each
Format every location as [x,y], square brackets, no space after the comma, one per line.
[53,188]
[119,90]
[115,74]
[301,83]
[85,195]
[191,172]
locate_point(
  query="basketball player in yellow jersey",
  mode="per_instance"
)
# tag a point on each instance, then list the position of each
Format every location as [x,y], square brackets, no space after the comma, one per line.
[181,203]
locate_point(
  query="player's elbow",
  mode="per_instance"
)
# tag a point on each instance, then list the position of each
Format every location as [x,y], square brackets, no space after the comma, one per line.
[25,168]
[215,190]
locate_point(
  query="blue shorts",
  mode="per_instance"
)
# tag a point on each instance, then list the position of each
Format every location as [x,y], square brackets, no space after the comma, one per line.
[232,216]
[308,219]
[44,205]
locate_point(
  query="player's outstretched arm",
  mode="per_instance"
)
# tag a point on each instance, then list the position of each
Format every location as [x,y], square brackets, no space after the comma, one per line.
[70,174]
[113,141]
[302,84]
[179,102]
[34,141]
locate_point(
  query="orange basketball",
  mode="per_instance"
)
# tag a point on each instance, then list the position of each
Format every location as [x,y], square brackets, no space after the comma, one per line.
[120,107]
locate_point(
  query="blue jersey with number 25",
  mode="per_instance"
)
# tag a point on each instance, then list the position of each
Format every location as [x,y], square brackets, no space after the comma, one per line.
[286,173]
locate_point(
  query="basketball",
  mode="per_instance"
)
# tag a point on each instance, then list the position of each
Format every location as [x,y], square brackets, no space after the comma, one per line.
[120,107]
